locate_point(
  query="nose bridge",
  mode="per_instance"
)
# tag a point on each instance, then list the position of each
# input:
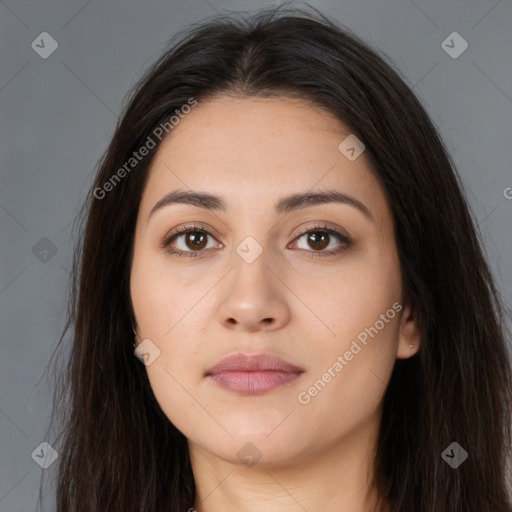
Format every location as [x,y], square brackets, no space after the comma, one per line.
[252,260]
[253,296]
[256,258]
[253,235]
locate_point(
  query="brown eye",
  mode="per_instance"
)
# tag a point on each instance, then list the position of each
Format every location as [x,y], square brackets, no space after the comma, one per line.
[318,238]
[195,240]
[189,241]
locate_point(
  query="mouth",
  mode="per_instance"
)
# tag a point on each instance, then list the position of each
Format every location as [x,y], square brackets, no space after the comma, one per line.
[253,374]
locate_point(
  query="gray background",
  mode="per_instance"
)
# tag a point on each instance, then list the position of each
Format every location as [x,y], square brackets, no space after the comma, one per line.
[58,114]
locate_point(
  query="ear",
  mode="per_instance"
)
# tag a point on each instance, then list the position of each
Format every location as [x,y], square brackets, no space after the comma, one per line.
[409,337]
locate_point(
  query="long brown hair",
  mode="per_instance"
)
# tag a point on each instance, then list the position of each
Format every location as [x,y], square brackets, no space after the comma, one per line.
[117,449]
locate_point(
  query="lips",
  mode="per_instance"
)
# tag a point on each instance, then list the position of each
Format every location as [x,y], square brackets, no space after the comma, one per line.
[252,373]
[252,363]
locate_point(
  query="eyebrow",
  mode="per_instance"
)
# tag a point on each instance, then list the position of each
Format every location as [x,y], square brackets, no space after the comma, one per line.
[285,205]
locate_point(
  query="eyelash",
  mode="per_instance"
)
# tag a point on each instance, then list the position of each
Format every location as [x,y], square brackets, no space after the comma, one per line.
[183,230]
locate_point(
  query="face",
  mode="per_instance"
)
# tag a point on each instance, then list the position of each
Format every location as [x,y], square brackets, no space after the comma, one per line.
[255,273]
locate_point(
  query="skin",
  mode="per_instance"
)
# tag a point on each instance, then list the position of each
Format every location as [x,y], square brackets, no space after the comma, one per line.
[306,310]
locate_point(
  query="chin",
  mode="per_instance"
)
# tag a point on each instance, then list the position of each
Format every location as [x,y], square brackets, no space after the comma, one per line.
[250,446]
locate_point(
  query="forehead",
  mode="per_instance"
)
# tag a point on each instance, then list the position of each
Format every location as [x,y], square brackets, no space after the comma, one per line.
[254,151]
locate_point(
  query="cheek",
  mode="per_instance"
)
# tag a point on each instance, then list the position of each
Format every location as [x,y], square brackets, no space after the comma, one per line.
[170,387]
[353,297]
[155,295]
[347,384]
[163,315]
[353,362]
[165,311]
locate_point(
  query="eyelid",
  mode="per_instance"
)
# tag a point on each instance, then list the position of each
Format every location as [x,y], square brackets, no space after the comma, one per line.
[183,229]
[323,225]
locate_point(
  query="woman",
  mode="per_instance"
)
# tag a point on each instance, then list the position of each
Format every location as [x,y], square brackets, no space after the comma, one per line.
[277,233]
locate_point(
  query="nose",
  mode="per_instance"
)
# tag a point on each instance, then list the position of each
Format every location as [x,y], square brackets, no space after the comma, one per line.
[254,297]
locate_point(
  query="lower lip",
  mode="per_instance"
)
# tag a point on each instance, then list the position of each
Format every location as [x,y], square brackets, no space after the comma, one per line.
[253,383]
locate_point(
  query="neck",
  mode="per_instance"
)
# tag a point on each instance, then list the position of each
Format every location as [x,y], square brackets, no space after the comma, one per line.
[335,477]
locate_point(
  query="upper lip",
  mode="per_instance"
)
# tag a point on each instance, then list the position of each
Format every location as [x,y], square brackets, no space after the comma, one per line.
[252,363]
